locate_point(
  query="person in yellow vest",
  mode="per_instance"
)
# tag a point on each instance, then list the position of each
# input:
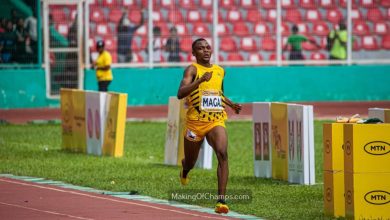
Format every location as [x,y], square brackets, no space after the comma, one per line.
[202,86]
[103,67]
[337,40]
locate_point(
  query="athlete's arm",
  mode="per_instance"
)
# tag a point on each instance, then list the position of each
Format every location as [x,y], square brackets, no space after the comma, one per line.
[235,106]
[188,84]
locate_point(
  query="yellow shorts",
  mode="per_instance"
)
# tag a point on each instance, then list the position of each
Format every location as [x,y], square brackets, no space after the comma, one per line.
[196,130]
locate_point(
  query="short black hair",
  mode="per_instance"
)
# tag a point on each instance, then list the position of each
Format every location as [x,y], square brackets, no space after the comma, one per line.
[196,41]
[100,44]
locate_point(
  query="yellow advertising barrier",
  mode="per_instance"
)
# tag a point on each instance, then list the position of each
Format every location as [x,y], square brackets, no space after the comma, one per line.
[279,141]
[367,195]
[334,203]
[333,140]
[114,133]
[74,129]
[67,118]
[78,122]
[367,147]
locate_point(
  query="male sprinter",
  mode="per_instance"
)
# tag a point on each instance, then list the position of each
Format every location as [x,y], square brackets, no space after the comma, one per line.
[202,85]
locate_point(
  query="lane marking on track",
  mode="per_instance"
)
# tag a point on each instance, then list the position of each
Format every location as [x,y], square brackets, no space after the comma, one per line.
[113,200]
[46,211]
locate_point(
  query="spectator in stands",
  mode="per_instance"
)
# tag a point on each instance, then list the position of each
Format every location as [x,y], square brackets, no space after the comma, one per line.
[3,22]
[8,41]
[103,67]
[72,57]
[201,83]
[295,42]
[125,37]
[337,42]
[22,43]
[30,26]
[173,46]
[157,44]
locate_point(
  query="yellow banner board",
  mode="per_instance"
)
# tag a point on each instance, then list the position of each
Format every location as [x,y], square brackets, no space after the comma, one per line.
[367,195]
[114,131]
[333,140]
[78,122]
[367,148]
[334,203]
[67,118]
[279,141]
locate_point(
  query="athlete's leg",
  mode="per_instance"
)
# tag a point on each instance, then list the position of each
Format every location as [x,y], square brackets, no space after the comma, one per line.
[217,138]
[191,152]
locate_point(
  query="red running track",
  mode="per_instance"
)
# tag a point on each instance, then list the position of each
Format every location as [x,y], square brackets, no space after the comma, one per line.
[27,200]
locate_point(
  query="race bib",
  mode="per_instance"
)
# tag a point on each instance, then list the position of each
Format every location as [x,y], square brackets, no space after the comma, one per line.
[211,101]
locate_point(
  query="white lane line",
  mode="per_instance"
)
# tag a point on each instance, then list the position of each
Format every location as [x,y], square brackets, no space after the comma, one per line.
[46,211]
[112,200]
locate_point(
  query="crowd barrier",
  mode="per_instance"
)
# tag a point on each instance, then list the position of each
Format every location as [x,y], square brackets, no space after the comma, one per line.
[357,170]
[174,140]
[283,142]
[93,122]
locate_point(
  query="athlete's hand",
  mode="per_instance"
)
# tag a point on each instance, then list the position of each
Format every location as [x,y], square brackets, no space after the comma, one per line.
[206,76]
[236,107]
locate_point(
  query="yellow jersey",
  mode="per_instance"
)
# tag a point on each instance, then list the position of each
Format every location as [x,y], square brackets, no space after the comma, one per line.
[207,102]
[104,59]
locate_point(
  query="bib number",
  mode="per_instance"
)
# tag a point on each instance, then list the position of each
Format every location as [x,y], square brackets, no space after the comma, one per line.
[211,102]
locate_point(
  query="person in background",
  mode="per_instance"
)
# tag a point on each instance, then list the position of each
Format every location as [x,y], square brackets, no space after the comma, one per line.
[103,67]
[8,42]
[157,44]
[337,42]
[173,46]
[126,32]
[295,42]
[202,86]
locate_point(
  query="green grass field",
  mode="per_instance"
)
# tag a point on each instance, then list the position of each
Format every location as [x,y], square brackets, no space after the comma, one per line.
[35,150]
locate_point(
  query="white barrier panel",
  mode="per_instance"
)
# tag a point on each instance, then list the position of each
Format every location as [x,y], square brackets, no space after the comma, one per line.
[95,118]
[300,144]
[261,139]
[174,140]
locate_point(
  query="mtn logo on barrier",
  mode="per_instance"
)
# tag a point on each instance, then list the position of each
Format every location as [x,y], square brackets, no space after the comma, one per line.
[377,148]
[377,197]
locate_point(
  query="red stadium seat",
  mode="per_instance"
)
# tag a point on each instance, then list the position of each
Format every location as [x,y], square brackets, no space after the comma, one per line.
[356,44]
[374,15]
[262,28]
[240,29]
[343,3]
[248,44]
[317,56]
[388,13]
[185,44]
[273,56]
[135,16]
[233,15]
[268,4]
[369,43]
[293,15]
[309,46]
[255,57]
[167,4]
[114,57]
[102,29]
[115,15]
[129,3]
[385,3]
[206,3]
[201,29]
[381,27]
[303,28]
[235,56]
[58,15]
[360,28]
[181,29]
[271,15]
[194,16]
[367,3]
[222,29]
[308,4]
[109,3]
[227,4]
[285,30]
[188,4]
[96,15]
[137,58]
[268,44]
[228,44]
[386,42]
[247,4]
[190,57]
[320,28]
[175,16]
[334,15]
[142,45]
[288,4]
[313,15]
[328,4]
[356,15]
[253,15]
[209,16]
[110,43]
